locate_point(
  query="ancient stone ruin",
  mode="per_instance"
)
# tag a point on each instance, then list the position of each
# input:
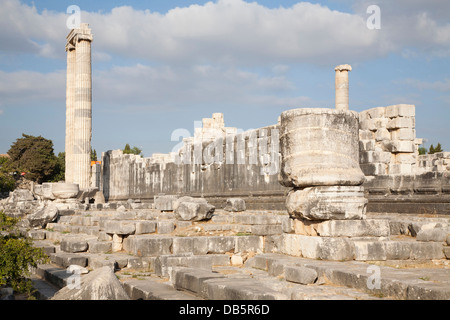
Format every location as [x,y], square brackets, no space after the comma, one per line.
[327,203]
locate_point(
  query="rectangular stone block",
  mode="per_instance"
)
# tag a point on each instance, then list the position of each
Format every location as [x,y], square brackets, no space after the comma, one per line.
[165,202]
[398,146]
[300,275]
[354,228]
[264,230]
[66,259]
[324,248]
[220,244]
[405,158]
[192,279]
[183,245]
[249,244]
[148,245]
[401,110]
[255,219]
[426,250]
[100,246]
[290,244]
[398,250]
[74,244]
[403,134]
[164,263]
[195,245]
[144,227]
[370,250]
[378,112]
[120,227]
[164,227]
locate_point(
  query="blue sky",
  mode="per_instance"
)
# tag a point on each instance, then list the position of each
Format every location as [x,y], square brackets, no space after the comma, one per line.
[158,66]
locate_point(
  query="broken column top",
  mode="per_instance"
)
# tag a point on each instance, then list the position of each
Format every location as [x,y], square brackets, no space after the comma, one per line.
[81,33]
[343,67]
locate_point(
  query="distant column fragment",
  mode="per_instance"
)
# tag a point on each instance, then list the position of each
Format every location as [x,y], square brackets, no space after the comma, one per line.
[79,106]
[341,85]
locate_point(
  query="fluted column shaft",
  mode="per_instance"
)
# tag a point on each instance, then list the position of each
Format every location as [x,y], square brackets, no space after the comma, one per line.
[83,114]
[79,106]
[70,107]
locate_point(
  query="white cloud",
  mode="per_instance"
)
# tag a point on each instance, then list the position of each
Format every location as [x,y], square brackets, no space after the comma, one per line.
[443,85]
[236,32]
[412,25]
[179,86]
[147,87]
[29,87]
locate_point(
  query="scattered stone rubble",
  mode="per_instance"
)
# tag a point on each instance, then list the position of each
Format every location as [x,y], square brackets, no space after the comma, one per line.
[243,255]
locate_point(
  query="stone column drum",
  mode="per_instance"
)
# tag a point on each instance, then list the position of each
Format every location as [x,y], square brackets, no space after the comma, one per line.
[320,147]
[320,160]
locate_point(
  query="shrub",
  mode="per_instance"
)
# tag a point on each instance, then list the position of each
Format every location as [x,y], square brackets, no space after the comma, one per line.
[17,255]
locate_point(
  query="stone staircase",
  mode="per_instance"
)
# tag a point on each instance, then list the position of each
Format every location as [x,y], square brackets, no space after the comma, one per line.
[233,256]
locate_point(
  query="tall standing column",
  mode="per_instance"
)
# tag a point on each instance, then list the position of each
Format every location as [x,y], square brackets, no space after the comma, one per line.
[70,106]
[341,86]
[79,108]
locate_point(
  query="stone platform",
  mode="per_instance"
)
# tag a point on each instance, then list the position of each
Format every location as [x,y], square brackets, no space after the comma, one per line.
[249,255]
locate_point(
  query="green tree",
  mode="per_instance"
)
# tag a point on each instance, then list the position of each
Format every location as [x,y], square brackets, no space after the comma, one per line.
[431,150]
[438,148]
[93,155]
[7,181]
[129,150]
[17,255]
[59,173]
[422,150]
[35,157]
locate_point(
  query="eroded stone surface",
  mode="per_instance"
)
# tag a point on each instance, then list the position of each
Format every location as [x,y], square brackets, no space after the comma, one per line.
[323,203]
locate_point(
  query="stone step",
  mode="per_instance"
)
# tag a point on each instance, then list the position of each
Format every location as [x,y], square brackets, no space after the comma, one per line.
[44,290]
[360,249]
[52,274]
[220,286]
[409,284]
[149,289]
[240,284]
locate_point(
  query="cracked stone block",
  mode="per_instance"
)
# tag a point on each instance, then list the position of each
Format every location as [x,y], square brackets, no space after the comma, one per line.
[300,275]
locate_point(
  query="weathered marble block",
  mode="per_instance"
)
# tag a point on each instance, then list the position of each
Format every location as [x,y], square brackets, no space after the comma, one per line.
[327,203]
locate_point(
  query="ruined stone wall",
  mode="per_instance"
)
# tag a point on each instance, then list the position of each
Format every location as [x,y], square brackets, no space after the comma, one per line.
[398,179]
[388,143]
[210,164]
[218,162]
